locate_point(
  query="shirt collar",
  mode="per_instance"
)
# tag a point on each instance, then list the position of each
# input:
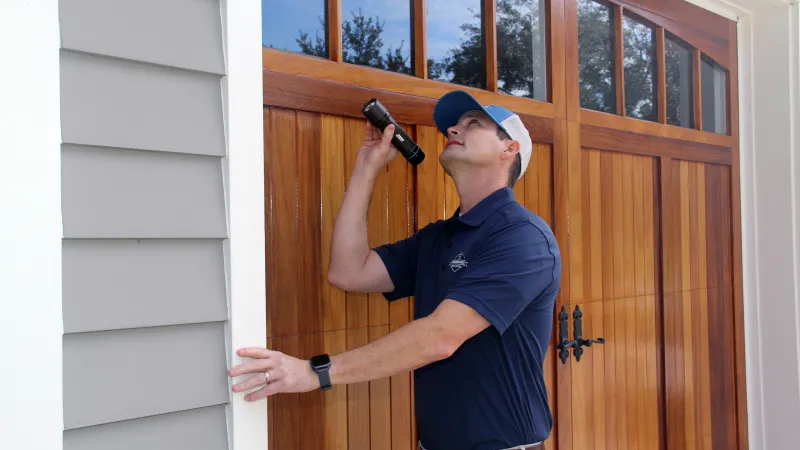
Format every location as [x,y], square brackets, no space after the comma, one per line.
[475,216]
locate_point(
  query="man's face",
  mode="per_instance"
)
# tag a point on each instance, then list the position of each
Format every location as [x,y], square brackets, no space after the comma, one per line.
[473,142]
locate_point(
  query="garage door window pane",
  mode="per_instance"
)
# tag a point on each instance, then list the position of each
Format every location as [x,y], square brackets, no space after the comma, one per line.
[522,48]
[377,33]
[714,88]
[296,26]
[640,69]
[680,83]
[596,56]
[455,42]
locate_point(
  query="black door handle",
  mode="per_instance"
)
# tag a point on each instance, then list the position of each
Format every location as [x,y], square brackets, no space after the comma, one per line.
[580,342]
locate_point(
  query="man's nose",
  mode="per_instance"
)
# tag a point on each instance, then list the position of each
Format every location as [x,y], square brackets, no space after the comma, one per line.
[452,131]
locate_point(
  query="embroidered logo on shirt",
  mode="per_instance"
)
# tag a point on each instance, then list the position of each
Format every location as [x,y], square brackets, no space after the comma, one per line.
[458,262]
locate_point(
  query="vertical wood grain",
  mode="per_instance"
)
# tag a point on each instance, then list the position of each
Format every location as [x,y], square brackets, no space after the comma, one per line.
[380,403]
[628,226]
[420,38]
[490,39]
[312,404]
[357,309]
[332,176]
[358,401]
[287,406]
[595,224]
[430,178]
[576,256]
[401,408]
[335,30]
[639,267]
[618,228]
[544,155]
[619,59]
[607,225]
[335,400]
[309,223]
[283,134]
[661,71]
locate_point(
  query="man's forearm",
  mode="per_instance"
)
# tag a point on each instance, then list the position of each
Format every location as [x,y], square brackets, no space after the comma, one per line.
[350,242]
[414,345]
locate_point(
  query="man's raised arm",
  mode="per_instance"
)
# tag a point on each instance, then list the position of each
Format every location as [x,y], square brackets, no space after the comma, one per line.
[354,266]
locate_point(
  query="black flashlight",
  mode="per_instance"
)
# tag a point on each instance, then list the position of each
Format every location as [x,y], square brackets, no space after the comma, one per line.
[379,116]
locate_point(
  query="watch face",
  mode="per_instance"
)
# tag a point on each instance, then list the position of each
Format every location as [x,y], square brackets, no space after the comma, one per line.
[320,361]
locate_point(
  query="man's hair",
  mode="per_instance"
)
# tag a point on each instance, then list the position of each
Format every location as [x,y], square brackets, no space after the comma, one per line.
[516,166]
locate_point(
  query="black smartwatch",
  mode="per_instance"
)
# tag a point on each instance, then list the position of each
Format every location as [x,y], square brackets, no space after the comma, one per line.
[321,364]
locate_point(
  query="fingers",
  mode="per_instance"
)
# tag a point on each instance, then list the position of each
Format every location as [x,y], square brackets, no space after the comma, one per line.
[266,391]
[255,352]
[255,365]
[388,132]
[258,380]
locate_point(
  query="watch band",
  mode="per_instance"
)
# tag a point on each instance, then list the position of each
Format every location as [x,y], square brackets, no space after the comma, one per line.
[324,379]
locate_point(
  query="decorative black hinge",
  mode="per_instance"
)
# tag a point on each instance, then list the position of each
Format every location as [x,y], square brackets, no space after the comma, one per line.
[564,344]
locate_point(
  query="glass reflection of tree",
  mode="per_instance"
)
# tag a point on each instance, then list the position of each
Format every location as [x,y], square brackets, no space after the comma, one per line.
[362,44]
[596,57]
[517,41]
[639,49]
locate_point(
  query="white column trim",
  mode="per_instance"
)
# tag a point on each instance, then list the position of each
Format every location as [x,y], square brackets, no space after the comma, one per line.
[31,416]
[243,169]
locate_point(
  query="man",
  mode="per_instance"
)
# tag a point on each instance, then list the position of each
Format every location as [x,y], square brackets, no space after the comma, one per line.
[484,284]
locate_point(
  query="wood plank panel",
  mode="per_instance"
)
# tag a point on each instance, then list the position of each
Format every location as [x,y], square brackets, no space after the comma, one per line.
[358,401]
[309,224]
[619,60]
[614,390]
[380,403]
[571,75]
[312,404]
[335,400]
[402,414]
[615,227]
[556,57]
[333,185]
[430,178]
[283,133]
[287,406]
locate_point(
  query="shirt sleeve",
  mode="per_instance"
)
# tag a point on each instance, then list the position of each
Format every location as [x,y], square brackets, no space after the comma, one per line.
[512,267]
[400,259]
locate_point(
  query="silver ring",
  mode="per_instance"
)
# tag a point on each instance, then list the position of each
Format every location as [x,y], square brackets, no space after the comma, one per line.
[267,375]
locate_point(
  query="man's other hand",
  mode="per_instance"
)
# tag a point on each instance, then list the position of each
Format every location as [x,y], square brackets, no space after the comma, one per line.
[273,372]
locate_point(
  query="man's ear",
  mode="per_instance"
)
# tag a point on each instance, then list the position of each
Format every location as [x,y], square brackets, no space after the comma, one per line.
[511,150]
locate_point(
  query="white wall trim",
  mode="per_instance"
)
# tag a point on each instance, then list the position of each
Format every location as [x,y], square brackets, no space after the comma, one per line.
[31,415]
[243,169]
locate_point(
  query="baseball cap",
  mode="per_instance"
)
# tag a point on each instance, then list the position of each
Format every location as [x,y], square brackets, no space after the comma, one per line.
[453,105]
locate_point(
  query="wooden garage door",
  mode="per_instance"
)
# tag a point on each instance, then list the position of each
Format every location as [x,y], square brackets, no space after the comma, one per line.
[633,107]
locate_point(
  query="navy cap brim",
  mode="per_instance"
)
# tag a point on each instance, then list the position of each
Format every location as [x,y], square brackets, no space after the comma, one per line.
[453,105]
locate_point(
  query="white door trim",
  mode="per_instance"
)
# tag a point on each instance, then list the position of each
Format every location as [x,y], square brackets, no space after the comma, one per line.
[244,183]
[31,416]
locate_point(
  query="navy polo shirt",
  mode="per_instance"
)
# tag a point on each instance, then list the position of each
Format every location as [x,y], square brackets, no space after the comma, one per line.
[503,261]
